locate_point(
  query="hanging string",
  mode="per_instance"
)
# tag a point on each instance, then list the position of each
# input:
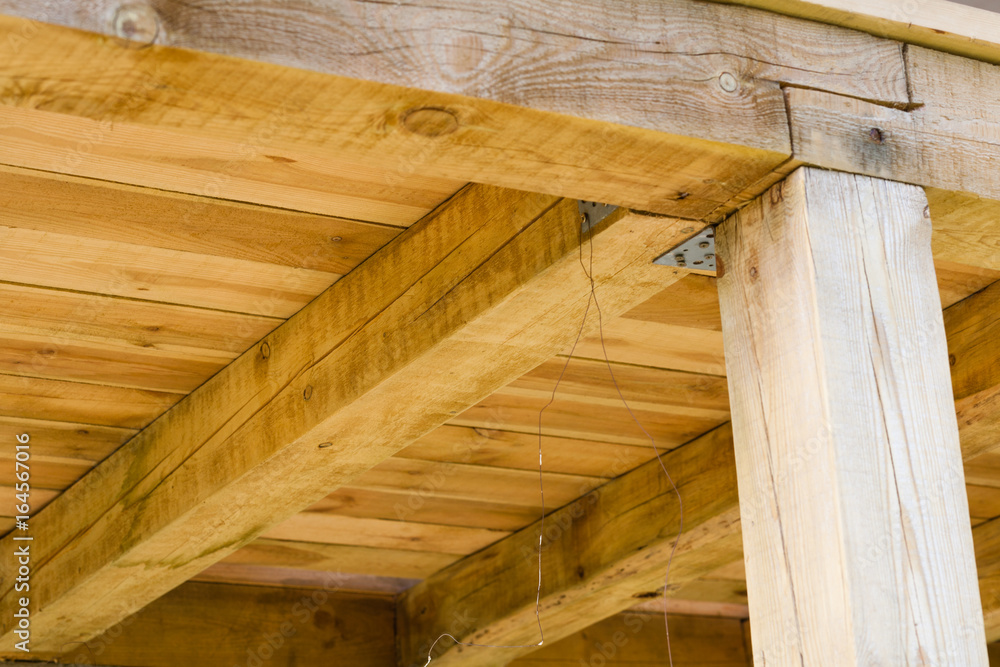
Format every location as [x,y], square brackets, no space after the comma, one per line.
[591,300]
[680,502]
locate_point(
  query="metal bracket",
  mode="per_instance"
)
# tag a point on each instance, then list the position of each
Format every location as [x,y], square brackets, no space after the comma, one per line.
[698,252]
[592,212]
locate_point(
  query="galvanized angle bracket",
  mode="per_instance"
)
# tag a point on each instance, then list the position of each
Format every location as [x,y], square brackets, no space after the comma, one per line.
[592,212]
[698,252]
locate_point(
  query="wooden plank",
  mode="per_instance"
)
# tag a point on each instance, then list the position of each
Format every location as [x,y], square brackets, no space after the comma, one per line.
[844,423]
[66,440]
[987,540]
[342,558]
[936,24]
[965,227]
[664,57]
[639,639]
[231,573]
[973,327]
[423,505]
[461,481]
[247,170]
[600,555]
[79,403]
[383,534]
[220,109]
[489,287]
[153,274]
[507,449]
[202,624]
[47,202]
[60,314]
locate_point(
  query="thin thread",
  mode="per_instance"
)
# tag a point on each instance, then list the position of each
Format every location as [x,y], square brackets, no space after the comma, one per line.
[592,299]
[652,441]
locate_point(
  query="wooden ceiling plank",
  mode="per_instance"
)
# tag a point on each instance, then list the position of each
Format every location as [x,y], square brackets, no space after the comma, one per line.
[490,286]
[80,403]
[119,269]
[636,639]
[61,204]
[508,449]
[342,558]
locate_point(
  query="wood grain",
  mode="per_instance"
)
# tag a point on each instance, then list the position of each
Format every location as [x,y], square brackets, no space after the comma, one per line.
[665,58]
[936,24]
[219,123]
[844,422]
[490,287]
[49,202]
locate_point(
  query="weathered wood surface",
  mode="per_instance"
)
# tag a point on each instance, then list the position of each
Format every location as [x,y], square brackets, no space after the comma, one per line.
[937,24]
[943,142]
[855,517]
[692,69]
[489,286]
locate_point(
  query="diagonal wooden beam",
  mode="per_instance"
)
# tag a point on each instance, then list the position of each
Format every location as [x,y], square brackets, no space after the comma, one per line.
[476,294]
[599,553]
[627,556]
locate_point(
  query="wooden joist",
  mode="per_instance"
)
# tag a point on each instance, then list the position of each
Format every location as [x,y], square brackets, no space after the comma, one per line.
[599,554]
[208,625]
[637,639]
[484,289]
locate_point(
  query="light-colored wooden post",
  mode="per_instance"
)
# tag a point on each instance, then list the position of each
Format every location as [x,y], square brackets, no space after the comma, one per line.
[856,526]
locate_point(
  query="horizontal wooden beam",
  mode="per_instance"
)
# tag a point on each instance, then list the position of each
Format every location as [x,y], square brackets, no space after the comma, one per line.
[639,639]
[208,625]
[694,123]
[945,25]
[465,301]
[505,571]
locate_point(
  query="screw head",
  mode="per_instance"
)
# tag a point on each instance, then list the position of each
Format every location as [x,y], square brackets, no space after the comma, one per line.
[876,135]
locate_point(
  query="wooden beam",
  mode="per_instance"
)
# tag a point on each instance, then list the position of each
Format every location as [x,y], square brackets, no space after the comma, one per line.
[600,554]
[478,293]
[207,625]
[554,57]
[639,639]
[855,518]
[507,618]
[258,132]
[937,24]
[952,127]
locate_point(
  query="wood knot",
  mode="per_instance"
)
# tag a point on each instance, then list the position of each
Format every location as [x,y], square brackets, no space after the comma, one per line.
[430,121]
[265,351]
[875,135]
[137,23]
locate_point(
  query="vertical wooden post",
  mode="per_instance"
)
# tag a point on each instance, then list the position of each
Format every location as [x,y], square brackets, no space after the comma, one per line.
[856,526]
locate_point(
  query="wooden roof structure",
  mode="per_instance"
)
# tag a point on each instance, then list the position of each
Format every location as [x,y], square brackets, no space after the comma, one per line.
[291,294]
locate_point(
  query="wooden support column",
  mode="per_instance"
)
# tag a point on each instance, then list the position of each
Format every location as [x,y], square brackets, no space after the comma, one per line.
[855,519]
